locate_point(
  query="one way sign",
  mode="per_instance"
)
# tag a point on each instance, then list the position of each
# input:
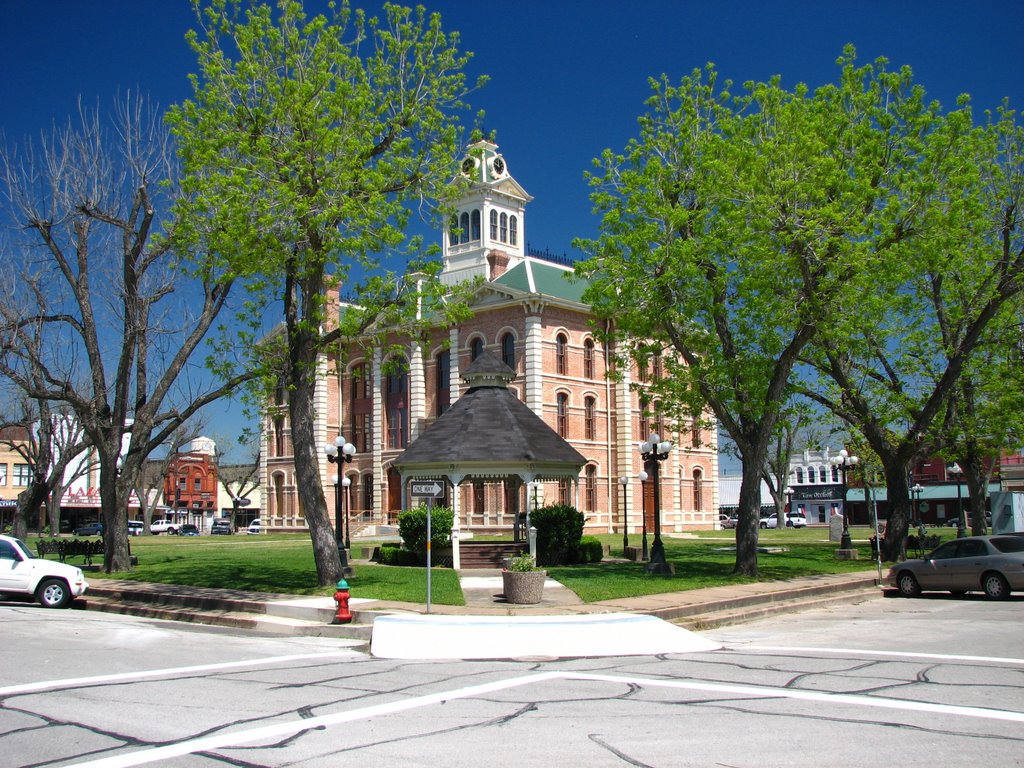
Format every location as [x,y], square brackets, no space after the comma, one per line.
[432,489]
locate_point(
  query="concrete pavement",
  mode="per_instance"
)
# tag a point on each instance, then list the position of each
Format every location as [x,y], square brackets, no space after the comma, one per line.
[386,624]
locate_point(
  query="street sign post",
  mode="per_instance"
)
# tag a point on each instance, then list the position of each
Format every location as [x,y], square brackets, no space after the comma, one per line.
[428,490]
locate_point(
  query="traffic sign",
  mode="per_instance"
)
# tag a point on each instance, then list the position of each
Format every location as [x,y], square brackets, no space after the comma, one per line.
[243,502]
[432,489]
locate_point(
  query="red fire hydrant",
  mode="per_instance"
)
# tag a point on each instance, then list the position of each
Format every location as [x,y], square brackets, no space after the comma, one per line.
[344,615]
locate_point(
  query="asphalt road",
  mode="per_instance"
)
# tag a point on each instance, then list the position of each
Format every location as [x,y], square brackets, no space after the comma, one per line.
[934,681]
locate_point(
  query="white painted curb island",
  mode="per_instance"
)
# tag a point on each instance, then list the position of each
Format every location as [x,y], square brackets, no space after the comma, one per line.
[511,637]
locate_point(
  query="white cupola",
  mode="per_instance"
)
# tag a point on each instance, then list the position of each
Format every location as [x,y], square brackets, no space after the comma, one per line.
[487,230]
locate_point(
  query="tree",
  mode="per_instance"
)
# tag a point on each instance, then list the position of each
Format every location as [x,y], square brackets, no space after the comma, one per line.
[895,370]
[734,227]
[51,441]
[305,145]
[100,316]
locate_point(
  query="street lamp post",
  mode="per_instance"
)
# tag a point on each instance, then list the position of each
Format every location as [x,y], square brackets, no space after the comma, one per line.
[624,481]
[845,461]
[789,504]
[961,518]
[340,452]
[653,451]
[916,490]
[345,483]
[643,509]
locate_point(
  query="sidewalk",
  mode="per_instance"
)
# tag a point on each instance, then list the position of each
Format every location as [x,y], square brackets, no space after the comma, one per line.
[487,627]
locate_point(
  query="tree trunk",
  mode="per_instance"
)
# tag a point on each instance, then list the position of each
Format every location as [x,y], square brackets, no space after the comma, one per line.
[749,513]
[27,510]
[898,489]
[114,508]
[307,475]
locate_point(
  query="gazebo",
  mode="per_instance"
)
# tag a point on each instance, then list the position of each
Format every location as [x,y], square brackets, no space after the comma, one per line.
[487,434]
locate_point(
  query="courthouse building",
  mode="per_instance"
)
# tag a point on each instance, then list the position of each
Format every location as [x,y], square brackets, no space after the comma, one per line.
[531,315]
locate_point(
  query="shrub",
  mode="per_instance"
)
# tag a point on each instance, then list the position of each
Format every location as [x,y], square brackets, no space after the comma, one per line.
[591,550]
[392,554]
[412,527]
[559,530]
[522,564]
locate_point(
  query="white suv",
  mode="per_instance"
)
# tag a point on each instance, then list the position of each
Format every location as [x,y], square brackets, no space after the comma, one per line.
[53,584]
[163,526]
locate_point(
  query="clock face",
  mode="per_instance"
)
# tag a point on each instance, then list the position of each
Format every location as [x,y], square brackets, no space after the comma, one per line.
[499,166]
[468,165]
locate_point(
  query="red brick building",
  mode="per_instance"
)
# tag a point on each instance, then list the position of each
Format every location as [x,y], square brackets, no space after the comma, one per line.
[532,316]
[190,488]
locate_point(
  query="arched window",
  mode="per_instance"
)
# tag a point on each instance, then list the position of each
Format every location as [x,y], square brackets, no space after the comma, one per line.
[563,414]
[503,234]
[280,446]
[564,493]
[589,408]
[442,382]
[799,474]
[513,230]
[823,474]
[698,490]
[474,228]
[464,227]
[494,225]
[367,494]
[396,404]
[508,350]
[591,485]
[453,231]
[476,348]
[659,419]
[588,359]
[695,438]
[656,366]
[562,354]
[835,474]
[279,495]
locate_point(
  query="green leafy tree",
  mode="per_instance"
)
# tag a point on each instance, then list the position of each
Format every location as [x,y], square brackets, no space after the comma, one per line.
[306,145]
[909,369]
[733,229]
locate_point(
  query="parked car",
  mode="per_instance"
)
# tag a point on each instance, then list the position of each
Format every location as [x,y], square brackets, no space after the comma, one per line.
[222,527]
[730,522]
[164,526]
[990,564]
[793,520]
[135,528]
[255,527]
[89,529]
[187,529]
[52,584]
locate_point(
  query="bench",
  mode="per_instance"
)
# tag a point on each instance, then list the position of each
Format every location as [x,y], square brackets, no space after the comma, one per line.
[65,548]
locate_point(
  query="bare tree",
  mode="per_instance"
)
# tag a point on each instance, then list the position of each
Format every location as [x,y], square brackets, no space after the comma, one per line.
[119,322]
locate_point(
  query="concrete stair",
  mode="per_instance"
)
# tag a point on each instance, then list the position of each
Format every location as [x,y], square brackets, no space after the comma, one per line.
[487,554]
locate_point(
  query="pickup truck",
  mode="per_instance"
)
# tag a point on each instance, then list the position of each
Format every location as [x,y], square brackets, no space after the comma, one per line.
[163,526]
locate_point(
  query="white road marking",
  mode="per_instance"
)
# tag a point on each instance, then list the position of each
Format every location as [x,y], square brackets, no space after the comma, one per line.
[892,654]
[285,729]
[77,682]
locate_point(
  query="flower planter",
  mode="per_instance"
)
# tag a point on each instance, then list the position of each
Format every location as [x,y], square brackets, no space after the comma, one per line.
[523,587]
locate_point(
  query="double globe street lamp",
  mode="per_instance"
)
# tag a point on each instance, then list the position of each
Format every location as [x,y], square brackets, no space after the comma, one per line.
[844,461]
[653,451]
[340,452]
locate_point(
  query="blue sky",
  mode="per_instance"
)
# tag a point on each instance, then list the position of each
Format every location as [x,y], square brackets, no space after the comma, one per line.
[568,78]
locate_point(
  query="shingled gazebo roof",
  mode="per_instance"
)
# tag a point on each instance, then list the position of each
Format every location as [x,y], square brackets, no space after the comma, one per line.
[489,433]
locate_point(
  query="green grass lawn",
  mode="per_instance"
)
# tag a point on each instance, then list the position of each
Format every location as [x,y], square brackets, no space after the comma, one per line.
[274,563]
[284,563]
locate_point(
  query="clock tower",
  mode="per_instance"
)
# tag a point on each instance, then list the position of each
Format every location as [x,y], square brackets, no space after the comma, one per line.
[487,226]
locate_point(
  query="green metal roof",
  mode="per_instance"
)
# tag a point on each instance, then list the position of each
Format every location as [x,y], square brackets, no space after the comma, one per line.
[532,276]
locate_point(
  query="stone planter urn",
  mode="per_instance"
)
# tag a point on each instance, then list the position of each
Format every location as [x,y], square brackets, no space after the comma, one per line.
[523,587]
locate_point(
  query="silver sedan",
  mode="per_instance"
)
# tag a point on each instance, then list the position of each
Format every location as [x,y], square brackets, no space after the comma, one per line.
[991,564]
